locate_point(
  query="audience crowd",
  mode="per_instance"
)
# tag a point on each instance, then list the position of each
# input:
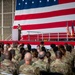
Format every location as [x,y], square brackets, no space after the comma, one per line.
[15,59]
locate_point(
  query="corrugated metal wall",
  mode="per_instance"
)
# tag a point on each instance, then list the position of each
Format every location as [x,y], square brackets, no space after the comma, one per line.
[8,7]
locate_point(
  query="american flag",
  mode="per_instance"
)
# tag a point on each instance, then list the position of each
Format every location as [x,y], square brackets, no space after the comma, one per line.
[44,16]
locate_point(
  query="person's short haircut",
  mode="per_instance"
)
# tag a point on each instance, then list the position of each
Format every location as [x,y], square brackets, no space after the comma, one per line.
[53,45]
[28,56]
[41,55]
[48,54]
[69,48]
[58,54]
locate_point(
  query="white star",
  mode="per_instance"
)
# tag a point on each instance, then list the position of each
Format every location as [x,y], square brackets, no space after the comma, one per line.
[54,0]
[25,2]
[47,0]
[22,0]
[32,2]
[40,1]
[19,4]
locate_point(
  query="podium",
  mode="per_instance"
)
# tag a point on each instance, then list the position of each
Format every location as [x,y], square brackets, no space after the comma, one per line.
[15,34]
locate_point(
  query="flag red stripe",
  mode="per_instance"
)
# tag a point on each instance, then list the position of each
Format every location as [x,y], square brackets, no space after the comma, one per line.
[45,15]
[43,26]
[65,1]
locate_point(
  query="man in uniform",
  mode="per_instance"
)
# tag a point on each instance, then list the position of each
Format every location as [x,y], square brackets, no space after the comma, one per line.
[59,66]
[7,67]
[52,52]
[43,66]
[27,68]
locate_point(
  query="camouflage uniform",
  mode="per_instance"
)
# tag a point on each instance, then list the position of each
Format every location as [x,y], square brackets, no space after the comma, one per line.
[46,60]
[17,57]
[65,60]
[16,50]
[41,64]
[73,53]
[60,67]
[7,67]
[69,56]
[53,57]
[28,70]
[34,59]
[68,60]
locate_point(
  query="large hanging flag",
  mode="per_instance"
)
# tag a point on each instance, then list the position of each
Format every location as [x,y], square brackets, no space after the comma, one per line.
[72,29]
[43,16]
[68,31]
